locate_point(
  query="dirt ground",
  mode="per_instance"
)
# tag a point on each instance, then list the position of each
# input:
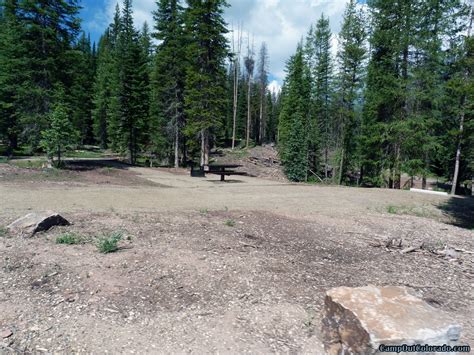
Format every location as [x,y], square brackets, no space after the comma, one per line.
[211,267]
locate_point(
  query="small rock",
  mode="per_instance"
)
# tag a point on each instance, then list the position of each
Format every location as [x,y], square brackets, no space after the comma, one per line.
[36,222]
[5,333]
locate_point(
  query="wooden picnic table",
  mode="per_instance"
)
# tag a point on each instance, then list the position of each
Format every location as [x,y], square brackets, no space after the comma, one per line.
[223,170]
[217,169]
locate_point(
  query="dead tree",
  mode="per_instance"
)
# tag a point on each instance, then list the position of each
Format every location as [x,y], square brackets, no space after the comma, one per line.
[263,81]
[249,66]
[236,50]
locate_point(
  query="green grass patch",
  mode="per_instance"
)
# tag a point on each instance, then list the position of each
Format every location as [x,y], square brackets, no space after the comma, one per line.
[203,211]
[29,164]
[84,154]
[229,223]
[109,243]
[3,231]
[3,160]
[392,209]
[68,238]
[418,211]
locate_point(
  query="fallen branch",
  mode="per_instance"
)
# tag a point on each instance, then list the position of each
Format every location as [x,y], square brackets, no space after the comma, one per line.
[312,172]
[411,249]
[463,251]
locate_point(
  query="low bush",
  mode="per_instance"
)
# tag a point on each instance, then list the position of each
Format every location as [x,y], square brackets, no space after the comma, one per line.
[229,223]
[68,238]
[109,243]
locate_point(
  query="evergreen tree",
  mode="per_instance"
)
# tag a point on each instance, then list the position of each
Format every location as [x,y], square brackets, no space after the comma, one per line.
[60,134]
[144,89]
[13,74]
[168,79]
[273,109]
[293,121]
[320,44]
[386,95]
[113,80]
[105,88]
[81,95]
[205,80]
[349,84]
[128,120]
[50,29]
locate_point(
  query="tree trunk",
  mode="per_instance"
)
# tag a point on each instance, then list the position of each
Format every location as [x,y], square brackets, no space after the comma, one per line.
[397,172]
[176,146]
[341,166]
[260,132]
[206,148]
[203,145]
[236,93]
[247,142]
[461,122]
[458,152]
[326,173]
[59,156]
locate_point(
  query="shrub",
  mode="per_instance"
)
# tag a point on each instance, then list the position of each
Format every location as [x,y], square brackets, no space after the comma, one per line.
[229,223]
[392,209]
[68,238]
[3,231]
[108,243]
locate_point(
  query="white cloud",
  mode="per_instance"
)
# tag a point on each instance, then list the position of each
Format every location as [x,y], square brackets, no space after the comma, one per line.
[279,23]
[274,87]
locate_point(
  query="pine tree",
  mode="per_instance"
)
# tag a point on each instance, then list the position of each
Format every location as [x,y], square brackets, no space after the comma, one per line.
[205,80]
[144,87]
[168,79]
[386,98]
[349,84]
[273,109]
[322,89]
[129,120]
[81,95]
[13,74]
[51,27]
[105,88]
[111,117]
[60,134]
[293,121]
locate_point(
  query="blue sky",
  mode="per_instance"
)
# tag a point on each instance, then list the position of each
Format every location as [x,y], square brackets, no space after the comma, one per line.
[279,23]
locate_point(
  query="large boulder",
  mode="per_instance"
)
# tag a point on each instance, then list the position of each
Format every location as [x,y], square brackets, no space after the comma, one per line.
[36,222]
[360,320]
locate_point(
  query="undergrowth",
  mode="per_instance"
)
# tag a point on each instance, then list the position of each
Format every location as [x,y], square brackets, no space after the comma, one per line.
[109,243]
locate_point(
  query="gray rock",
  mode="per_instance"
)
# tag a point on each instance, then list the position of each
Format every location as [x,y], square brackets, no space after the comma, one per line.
[359,320]
[5,333]
[36,222]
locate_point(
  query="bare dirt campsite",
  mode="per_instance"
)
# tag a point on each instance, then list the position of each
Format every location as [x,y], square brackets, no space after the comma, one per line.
[205,266]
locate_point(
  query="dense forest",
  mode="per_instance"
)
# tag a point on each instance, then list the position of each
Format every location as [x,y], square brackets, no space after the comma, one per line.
[395,97]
